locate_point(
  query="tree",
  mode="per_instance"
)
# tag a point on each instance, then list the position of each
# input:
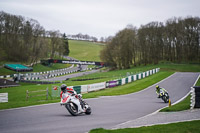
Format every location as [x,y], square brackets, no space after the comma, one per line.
[25,40]
[54,42]
[66,45]
[121,50]
[102,39]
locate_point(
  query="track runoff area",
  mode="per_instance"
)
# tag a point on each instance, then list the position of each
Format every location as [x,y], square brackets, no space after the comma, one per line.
[106,111]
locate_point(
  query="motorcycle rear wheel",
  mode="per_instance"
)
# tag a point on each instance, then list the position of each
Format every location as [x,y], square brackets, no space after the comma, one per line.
[72,108]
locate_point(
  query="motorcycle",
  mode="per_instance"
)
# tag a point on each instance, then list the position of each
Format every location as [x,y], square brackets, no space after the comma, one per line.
[73,103]
[164,96]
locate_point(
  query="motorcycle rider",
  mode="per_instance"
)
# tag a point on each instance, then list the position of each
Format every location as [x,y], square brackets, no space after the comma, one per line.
[159,90]
[72,92]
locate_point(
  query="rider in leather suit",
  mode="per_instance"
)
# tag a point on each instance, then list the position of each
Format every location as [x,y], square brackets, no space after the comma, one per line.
[72,92]
[159,90]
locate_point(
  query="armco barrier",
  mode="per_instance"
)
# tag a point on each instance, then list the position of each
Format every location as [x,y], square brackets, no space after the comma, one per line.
[108,84]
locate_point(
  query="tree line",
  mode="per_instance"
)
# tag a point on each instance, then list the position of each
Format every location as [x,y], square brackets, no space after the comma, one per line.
[25,40]
[84,37]
[176,40]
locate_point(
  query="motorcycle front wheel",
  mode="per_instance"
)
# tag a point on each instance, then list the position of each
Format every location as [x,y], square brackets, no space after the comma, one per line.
[88,111]
[165,99]
[72,108]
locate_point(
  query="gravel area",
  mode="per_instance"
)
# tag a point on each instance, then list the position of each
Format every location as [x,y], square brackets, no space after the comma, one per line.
[161,118]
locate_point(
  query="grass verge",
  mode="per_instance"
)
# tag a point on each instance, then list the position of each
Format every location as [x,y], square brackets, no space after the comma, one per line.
[181,127]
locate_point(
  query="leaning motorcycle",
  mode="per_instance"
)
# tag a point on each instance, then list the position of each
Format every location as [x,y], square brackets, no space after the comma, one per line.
[164,96]
[73,102]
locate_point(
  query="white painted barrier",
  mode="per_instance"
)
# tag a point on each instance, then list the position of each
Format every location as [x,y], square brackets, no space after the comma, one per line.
[84,88]
[3,97]
[97,86]
[123,81]
[129,79]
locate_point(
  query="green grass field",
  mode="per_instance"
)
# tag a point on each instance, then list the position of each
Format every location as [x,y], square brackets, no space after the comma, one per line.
[86,51]
[181,127]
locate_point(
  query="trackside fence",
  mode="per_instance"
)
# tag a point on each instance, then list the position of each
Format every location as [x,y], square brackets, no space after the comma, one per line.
[38,93]
[103,85]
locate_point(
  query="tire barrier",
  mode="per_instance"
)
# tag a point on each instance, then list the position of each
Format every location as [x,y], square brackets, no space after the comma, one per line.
[195,97]
[39,73]
[103,85]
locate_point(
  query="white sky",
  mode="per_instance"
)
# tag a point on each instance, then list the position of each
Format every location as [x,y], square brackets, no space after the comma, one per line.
[99,18]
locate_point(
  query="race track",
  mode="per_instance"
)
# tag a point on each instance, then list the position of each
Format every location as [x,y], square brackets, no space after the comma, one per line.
[106,111]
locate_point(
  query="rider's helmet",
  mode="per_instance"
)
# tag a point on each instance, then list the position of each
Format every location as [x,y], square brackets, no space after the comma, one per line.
[70,90]
[63,87]
[157,87]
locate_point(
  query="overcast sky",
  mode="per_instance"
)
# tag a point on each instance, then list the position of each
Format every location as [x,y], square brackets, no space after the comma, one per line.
[99,18]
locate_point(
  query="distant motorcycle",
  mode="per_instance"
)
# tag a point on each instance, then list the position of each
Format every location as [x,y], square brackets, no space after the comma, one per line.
[164,96]
[73,103]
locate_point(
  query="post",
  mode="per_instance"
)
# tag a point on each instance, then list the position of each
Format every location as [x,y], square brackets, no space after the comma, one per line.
[169,103]
[47,93]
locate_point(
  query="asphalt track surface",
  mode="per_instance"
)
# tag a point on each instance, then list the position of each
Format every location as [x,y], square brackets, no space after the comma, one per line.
[106,111]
